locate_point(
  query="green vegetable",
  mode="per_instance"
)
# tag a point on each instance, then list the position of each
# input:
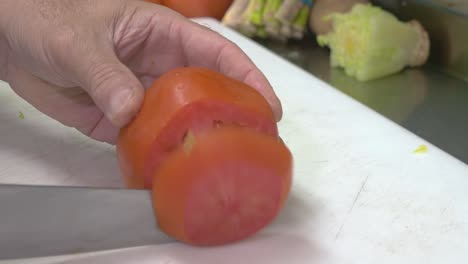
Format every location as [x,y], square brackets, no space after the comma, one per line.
[246,26]
[272,25]
[21,115]
[322,8]
[256,17]
[300,22]
[275,19]
[233,16]
[288,11]
[370,43]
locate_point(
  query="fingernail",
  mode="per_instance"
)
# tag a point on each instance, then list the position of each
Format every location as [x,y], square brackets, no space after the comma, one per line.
[118,103]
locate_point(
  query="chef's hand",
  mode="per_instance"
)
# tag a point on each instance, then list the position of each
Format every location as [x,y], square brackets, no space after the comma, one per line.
[86,63]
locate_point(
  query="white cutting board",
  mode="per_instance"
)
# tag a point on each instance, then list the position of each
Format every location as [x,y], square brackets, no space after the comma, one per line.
[360,194]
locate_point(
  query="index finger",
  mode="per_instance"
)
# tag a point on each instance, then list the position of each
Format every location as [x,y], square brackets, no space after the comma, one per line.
[205,47]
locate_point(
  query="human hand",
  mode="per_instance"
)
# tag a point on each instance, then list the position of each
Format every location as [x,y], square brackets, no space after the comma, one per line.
[86,63]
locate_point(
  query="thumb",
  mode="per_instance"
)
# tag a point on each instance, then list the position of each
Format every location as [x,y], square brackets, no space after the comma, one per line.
[112,86]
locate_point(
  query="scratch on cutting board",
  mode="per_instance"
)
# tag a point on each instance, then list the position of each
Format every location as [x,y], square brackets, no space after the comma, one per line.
[363,184]
[443,211]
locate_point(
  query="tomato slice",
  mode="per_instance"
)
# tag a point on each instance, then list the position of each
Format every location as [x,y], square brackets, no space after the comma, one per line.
[195,99]
[229,184]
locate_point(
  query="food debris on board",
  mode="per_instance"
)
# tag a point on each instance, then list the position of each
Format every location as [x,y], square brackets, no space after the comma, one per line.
[422,149]
[21,115]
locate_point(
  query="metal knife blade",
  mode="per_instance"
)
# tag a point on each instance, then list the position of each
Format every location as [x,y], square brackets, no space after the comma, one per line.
[38,221]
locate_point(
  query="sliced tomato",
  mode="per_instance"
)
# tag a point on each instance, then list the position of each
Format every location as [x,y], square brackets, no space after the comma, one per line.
[208,147]
[225,186]
[182,100]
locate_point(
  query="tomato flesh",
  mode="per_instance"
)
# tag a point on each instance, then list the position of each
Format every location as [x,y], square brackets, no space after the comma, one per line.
[198,118]
[231,202]
[231,184]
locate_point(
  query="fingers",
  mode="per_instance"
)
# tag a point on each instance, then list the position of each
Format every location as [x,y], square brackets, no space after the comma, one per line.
[112,86]
[174,41]
[70,106]
[233,62]
[210,49]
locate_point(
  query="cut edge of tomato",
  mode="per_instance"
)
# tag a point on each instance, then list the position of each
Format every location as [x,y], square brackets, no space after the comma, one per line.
[226,207]
[199,117]
[209,203]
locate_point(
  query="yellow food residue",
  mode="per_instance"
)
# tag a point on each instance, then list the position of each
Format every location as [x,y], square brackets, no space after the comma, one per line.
[189,141]
[421,149]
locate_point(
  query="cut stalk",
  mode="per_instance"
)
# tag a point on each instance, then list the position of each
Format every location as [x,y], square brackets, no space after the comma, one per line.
[288,11]
[300,22]
[256,17]
[246,26]
[233,16]
[272,25]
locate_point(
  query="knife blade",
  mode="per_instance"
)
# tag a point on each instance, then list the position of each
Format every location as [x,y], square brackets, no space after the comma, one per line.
[38,221]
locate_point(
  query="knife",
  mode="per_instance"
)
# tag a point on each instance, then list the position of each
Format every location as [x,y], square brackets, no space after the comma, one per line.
[39,221]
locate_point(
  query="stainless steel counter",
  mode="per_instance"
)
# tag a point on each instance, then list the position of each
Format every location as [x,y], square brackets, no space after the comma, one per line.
[426,101]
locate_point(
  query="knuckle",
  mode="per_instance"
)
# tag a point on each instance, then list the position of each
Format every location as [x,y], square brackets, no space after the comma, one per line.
[225,53]
[58,51]
[62,41]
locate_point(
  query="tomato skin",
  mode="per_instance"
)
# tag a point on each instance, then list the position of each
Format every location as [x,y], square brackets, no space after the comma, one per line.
[232,183]
[199,8]
[173,103]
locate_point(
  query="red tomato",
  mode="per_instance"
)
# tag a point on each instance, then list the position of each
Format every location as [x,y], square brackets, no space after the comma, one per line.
[230,184]
[186,99]
[208,147]
[199,8]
